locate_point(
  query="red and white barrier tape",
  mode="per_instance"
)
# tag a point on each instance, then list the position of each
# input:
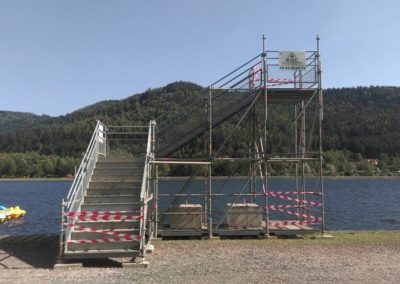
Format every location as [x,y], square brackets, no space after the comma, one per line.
[280,80]
[303,201]
[255,74]
[97,213]
[307,216]
[293,192]
[105,241]
[101,231]
[281,206]
[293,223]
[110,218]
[273,85]
[103,215]
[116,236]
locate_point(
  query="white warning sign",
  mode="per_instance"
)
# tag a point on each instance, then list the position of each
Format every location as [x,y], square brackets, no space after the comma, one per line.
[292,60]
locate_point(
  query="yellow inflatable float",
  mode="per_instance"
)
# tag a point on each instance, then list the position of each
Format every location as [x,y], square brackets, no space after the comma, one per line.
[11,213]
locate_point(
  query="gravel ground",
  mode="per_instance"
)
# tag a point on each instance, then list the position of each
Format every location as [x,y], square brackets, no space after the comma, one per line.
[363,257]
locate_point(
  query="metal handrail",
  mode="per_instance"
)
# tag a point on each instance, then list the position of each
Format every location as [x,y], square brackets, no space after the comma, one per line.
[82,176]
[146,165]
[74,199]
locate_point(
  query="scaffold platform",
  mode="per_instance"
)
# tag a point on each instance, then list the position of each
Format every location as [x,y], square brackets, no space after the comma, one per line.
[225,231]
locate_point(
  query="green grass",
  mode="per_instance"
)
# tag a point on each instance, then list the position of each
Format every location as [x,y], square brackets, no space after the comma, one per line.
[363,237]
[339,238]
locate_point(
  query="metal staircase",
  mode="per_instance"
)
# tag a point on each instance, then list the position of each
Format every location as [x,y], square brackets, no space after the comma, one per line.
[231,94]
[106,211]
[177,131]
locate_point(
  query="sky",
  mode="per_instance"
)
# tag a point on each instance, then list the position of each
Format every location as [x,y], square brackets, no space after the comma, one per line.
[58,56]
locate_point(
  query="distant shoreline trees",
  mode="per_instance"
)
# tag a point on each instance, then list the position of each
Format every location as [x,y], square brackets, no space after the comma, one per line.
[336,163]
[33,165]
[361,134]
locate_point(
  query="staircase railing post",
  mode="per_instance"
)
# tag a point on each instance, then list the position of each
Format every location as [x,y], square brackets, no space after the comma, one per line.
[62,231]
[155,181]
[210,228]
[320,120]
[265,87]
[156,202]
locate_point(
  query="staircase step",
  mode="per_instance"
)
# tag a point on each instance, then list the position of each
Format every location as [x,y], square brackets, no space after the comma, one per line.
[106,198]
[113,191]
[115,185]
[107,165]
[107,248]
[125,224]
[100,253]
[111,207]
[118,171]
[82,235]
[120,159]
[117,178]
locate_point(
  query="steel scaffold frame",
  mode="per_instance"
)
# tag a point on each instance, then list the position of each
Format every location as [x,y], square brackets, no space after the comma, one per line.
[255,79]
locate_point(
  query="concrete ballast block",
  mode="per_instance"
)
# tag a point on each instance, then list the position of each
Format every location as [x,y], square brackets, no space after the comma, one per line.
[245,215]
[186,216]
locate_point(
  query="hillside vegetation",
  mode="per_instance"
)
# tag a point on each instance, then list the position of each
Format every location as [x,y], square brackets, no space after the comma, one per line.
[359,123]
[10,120]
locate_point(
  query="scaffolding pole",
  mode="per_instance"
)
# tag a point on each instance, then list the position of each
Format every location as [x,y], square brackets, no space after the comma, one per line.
[320,119]
[210,228]
[265,80]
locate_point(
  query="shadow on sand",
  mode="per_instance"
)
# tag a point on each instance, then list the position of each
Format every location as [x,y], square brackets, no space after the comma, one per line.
[39,251]
[32,251]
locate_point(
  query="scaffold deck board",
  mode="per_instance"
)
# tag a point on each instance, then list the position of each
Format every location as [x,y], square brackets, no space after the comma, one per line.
[181,233]
[290,229]
[281,229]
[240,232]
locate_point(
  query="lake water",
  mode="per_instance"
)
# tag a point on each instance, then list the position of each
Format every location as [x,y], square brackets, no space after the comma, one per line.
[350,204]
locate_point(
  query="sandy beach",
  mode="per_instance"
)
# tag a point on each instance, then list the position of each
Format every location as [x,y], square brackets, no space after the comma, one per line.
[349,257]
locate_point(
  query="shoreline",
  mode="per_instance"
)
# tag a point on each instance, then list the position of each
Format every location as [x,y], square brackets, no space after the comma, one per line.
[200,178]
[283,177]
[35,179]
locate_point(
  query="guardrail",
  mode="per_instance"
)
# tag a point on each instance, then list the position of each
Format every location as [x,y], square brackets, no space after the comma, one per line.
[126,140]
[97,146]
[293,79]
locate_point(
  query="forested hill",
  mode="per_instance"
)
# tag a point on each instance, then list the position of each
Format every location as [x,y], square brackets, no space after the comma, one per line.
[10,120]
[361,120]
[68,135]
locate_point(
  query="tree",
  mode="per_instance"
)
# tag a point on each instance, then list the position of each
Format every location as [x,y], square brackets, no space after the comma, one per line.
[47,167]
[9,167]
[63,168]
[21,165]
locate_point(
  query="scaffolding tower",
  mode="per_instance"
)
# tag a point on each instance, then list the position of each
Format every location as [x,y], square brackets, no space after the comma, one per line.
[204,205]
